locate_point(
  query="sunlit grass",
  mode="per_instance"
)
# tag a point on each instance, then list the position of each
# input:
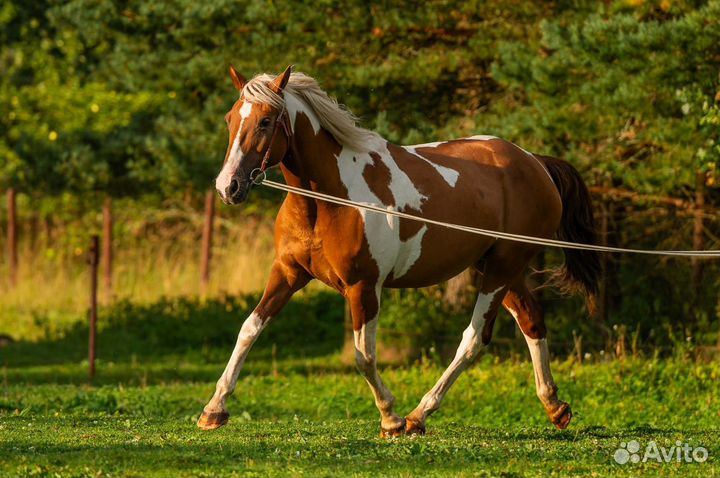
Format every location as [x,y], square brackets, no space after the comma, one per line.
[154,257]
[315,417]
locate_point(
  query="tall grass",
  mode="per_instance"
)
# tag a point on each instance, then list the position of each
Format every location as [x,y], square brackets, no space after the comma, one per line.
[156,254]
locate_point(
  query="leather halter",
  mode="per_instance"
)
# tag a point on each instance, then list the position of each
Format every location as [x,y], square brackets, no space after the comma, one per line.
[284,120]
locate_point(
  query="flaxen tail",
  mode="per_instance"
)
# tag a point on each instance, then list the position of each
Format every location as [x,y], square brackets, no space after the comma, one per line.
[581,271]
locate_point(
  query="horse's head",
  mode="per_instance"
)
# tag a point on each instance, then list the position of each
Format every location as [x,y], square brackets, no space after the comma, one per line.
[255,143]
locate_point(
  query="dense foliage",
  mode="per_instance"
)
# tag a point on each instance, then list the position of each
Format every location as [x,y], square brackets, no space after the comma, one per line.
[127,98]
[109,95]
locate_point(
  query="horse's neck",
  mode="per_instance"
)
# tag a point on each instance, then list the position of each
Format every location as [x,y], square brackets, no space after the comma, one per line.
[312,162]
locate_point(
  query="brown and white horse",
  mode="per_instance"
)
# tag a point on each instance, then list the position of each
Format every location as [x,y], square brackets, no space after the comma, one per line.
[482,181]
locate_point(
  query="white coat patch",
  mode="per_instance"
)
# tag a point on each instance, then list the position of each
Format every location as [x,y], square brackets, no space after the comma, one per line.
[383,231]
[294,105]
[449,175]
[481,137]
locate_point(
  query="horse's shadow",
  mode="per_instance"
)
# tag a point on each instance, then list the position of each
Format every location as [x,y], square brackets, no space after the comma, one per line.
[178,333]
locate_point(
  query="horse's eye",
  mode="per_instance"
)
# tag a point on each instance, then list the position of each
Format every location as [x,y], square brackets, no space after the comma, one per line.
[265,122]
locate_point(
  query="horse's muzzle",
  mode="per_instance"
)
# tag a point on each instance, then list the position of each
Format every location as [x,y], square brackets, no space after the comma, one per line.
[236,192]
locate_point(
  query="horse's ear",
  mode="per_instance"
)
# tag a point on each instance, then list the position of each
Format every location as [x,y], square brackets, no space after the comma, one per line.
[237,79]
[281,80]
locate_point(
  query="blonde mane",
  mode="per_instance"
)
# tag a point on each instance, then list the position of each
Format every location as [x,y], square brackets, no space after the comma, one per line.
[334,117]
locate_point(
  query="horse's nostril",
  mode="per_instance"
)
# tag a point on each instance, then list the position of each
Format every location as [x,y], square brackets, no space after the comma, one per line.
[234,187]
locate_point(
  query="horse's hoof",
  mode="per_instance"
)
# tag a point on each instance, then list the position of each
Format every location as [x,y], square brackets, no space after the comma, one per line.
[561,416]
[211,421]
[414,428]
[393,432]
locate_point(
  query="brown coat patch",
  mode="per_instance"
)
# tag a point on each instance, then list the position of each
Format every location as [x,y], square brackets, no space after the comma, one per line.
[378,177]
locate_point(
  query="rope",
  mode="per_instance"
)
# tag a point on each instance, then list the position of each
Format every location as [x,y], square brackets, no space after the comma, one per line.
[482,232]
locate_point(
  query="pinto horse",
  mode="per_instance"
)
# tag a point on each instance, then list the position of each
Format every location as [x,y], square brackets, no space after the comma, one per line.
[482,181]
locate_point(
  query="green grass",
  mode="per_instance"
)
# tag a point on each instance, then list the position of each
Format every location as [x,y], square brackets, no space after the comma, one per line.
[300,410]
[314,417]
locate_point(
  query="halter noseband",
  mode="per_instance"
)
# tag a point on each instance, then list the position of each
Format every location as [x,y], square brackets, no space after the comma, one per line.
[283,119]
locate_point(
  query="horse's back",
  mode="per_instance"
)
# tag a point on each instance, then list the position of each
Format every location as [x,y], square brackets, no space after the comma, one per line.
[483,182]
[509,181]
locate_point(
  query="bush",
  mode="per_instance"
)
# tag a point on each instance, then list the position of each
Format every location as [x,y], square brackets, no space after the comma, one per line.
[312,324]
[415,322]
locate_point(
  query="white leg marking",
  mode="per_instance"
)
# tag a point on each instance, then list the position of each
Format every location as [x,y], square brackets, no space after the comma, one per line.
[466,352]
[367,364]
[249,332]
[544,383]
[236,154]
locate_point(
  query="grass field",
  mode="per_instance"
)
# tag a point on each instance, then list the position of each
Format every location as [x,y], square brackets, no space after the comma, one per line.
[299,411]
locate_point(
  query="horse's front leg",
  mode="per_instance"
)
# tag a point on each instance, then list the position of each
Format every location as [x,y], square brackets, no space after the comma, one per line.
[283,283]
[365,307]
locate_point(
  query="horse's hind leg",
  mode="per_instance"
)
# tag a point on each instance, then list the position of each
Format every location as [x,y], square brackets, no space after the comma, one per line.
[520,302]
[475,336]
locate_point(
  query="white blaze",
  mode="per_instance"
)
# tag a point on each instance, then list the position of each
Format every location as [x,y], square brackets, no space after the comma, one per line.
[236,154]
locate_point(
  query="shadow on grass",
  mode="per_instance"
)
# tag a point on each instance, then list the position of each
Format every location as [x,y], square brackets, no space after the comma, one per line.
[262,456]
[186,329]
[584,431]
[330,449]
[169,370]
[111,445]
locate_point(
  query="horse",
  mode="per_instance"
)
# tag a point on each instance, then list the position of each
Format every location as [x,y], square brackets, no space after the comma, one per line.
[288,121]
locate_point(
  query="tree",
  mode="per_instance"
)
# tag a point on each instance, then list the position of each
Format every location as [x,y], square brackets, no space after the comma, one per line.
[63,132]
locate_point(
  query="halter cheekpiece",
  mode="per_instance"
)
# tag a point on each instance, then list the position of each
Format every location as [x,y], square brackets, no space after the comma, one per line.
[283,119]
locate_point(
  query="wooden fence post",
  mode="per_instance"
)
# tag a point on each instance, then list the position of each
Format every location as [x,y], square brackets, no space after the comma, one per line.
[206,251]
[107,249]
[12,236]
[698,231]
[93,263]
[47,227]
[603,296]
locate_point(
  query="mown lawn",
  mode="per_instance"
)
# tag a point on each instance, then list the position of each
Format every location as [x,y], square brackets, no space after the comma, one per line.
[314,417]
